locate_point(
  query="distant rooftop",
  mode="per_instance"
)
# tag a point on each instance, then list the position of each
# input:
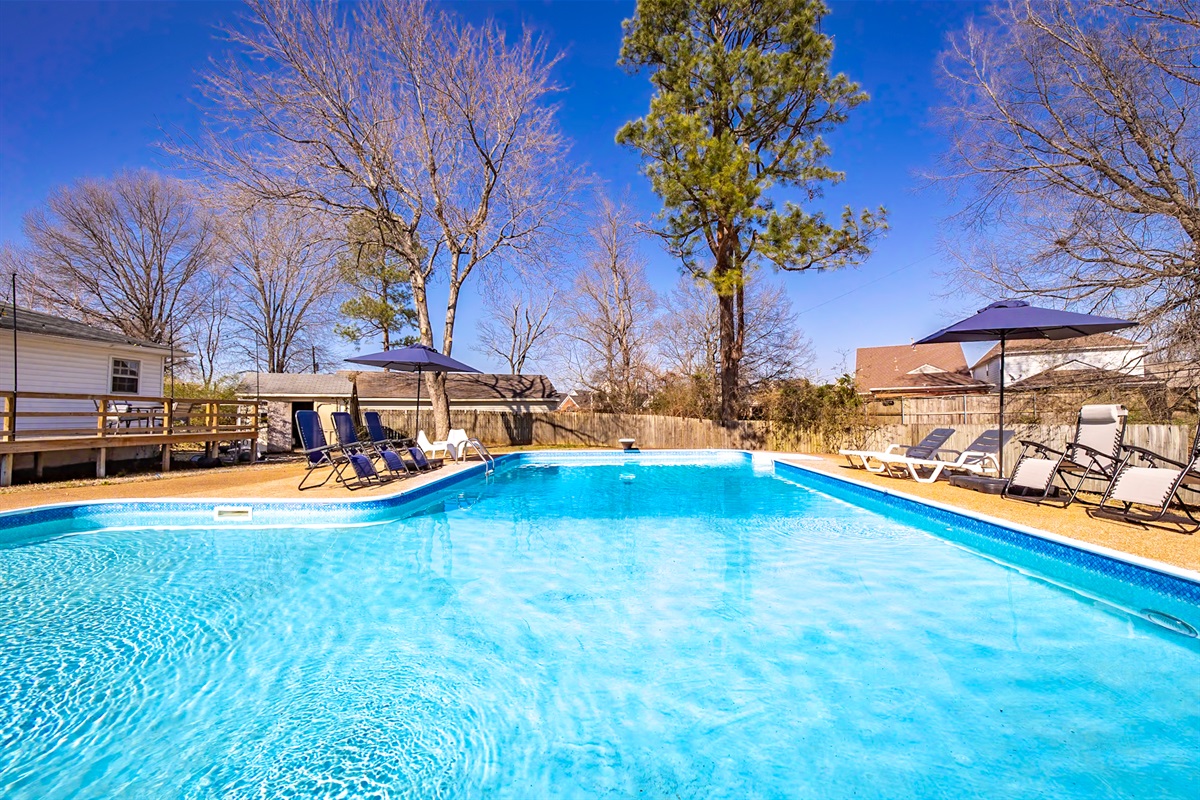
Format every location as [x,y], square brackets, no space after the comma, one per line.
[294,384]
[1097,341]
[913,367]
[397,385]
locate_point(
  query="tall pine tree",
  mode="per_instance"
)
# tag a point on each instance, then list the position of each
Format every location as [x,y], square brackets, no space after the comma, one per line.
[743,96]
[380,301]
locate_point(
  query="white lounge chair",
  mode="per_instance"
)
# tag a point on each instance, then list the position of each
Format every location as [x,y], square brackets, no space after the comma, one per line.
[923,449]
[1153,482]
[432,448]
[455,443]
[1095,452]
[980,458]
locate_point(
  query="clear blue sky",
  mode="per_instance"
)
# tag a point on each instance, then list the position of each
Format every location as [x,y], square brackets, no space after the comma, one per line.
[86,88]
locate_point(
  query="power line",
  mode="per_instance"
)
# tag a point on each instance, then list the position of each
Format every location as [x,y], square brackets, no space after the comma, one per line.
[923,258]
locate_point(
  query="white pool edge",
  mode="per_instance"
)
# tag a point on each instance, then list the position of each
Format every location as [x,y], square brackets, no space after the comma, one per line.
[1066,541]
[795,461]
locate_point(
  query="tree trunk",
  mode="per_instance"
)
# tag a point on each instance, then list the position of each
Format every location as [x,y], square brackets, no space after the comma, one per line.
[435,382]
[730,357]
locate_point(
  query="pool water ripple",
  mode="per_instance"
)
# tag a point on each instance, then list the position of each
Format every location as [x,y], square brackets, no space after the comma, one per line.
[563,631]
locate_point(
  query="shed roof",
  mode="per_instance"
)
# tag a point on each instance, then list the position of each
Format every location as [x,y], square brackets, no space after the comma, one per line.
[30,321]
[398,386]
[459,385]
[294,384]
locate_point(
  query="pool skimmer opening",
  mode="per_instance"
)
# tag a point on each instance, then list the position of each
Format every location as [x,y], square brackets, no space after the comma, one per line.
[233,513]
[1169,622]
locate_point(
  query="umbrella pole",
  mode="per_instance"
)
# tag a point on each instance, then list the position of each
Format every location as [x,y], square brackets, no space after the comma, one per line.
[1002,343]
[418,425]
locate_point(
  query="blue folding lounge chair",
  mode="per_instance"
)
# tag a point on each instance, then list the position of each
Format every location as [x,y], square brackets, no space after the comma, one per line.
[423,463]
[360,454]
[318,453]
[378,434]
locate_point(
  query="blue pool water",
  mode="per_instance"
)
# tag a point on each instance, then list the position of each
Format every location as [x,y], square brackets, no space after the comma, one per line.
[580,629]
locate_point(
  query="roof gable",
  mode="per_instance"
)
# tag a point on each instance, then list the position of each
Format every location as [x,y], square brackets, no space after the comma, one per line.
[908,365]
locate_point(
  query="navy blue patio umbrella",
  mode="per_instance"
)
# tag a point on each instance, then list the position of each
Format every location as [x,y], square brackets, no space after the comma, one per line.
[416,358]
[1016,319]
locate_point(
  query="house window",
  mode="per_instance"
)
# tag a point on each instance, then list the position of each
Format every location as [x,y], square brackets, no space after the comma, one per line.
[125,374]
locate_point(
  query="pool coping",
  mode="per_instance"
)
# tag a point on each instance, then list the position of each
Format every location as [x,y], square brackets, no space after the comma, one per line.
[1066,541]
[403,496]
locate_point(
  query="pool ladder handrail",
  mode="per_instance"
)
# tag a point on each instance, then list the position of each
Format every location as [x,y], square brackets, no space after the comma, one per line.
[489,460]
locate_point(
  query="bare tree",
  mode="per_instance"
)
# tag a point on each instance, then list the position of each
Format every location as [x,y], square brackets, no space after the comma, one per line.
[609,318]
[1075,143]
[774,345]
[439,132]
[519,325]
[126,252]
[206,334]
[284,279]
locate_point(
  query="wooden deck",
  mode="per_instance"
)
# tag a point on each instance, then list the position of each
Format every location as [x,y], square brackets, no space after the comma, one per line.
[43,422]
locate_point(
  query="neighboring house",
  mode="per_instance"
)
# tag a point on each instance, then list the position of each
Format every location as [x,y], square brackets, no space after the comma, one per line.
[61,356]
[285,394]
[914,370]
[578,400]
[1101,356]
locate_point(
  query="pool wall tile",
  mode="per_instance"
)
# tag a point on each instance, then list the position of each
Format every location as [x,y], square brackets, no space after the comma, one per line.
[1109,576]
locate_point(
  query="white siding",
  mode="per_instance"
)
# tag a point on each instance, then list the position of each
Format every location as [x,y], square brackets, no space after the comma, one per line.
[52,364]
[1019,366]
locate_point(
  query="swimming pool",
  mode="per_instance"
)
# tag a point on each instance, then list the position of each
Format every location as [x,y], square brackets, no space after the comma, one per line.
[674,625]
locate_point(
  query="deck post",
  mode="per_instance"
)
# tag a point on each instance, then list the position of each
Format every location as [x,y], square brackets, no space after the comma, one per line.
[6,462]
[39,465]
[166,457]
[101,461]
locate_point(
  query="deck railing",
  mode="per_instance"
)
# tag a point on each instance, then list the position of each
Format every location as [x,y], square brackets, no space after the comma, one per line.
[116,416]
[38,422]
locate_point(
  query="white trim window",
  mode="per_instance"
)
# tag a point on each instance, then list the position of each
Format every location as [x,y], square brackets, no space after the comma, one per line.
[126,373]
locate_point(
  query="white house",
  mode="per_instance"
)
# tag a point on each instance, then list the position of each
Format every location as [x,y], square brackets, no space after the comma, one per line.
[61,356]
[1101,353]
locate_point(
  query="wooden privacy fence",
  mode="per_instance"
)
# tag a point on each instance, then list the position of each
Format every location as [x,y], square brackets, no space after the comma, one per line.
[557,429]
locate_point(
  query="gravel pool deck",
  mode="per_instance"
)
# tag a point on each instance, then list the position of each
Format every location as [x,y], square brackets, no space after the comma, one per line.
[278,481]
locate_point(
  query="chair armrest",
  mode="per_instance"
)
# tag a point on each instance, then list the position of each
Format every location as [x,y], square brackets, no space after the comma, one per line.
[1152,456]
[1042,448]
[939,453]
[891,448]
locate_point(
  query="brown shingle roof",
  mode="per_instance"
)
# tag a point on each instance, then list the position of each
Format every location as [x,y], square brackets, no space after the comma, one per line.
[1093,342]
[891,367]
[1090,377]
[459,385]
[397,386]
[291,384]
[49,325]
